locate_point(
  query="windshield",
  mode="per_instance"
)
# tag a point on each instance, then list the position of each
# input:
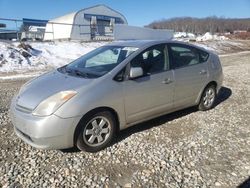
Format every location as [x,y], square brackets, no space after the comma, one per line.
[98,62]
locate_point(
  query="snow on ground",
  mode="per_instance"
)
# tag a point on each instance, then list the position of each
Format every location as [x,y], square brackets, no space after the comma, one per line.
[218,44]
[43,55]
[222,47]
[18,76]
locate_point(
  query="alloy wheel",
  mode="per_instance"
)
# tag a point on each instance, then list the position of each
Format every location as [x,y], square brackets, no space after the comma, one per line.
[97,131]
[209,97]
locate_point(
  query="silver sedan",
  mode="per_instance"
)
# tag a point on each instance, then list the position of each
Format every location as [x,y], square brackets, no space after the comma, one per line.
[86,102]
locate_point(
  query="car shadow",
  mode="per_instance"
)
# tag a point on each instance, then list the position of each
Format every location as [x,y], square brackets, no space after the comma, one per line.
[223,95]
[153,123]
[245,184]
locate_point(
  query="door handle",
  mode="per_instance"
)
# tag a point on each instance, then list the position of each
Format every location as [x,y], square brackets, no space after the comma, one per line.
[167,81]
[202,72]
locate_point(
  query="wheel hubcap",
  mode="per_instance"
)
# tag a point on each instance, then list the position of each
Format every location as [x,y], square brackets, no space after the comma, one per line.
[209,97]
[97,131]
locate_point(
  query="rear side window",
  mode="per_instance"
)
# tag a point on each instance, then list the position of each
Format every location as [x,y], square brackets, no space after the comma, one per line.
[183,55]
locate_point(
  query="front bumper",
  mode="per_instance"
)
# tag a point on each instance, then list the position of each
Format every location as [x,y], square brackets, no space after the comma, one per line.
[50,132]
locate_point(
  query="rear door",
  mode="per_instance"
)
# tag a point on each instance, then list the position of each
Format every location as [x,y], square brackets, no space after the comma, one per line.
[190,72]
[152,93]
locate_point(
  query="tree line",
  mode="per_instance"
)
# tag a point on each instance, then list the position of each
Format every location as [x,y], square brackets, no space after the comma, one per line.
[202,25]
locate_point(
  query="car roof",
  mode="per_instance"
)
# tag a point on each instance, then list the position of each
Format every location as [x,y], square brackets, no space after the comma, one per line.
[146,43]
[137,43]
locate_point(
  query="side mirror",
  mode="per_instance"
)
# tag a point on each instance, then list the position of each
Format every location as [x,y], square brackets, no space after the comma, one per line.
[135,72]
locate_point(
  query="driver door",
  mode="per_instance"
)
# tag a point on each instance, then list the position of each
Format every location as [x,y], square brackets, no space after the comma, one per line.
[151,94]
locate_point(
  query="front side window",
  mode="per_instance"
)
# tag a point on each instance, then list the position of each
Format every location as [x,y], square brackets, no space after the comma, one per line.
[98,62]
[182,55]
[152,60]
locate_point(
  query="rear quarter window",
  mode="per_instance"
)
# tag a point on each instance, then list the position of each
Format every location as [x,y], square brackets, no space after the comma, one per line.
[203,56]
[216,65]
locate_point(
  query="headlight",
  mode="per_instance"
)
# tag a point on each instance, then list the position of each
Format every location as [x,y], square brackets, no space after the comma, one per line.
[51,104]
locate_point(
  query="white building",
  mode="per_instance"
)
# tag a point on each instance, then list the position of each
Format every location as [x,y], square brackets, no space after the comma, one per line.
[85,24]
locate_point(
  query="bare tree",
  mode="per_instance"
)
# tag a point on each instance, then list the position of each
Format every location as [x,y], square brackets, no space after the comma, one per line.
[201,25]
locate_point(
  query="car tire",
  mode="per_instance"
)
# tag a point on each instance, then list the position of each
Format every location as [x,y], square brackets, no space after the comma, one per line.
[96,131]
[208,98]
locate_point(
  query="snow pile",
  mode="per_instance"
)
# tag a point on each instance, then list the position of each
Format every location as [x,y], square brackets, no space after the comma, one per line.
[180,34]
[41,56]
[208,36]
[184,35]
[191,35]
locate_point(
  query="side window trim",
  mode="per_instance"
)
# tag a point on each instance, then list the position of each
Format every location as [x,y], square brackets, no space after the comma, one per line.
[166,59]
[165,53]
[123,74]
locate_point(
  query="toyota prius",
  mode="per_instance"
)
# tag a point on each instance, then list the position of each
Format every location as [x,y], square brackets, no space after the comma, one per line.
[87,102]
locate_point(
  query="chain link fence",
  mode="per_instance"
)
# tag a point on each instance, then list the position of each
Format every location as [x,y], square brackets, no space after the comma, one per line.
[43,30]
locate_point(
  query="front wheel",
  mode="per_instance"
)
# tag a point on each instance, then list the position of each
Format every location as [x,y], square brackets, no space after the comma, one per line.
[96,131]
[208,98]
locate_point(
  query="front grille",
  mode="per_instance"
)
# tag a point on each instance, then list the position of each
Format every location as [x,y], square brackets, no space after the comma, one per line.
[23,109]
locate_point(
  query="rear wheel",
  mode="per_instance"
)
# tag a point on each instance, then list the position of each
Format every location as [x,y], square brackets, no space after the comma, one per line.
[96,131]
[208,98]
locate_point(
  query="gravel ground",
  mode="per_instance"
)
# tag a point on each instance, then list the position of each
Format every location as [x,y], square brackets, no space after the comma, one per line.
[184,149]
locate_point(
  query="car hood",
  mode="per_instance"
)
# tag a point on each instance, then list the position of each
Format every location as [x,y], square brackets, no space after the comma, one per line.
[39,89]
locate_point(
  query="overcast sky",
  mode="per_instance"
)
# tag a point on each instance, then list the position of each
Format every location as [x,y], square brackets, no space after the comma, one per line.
[138,13]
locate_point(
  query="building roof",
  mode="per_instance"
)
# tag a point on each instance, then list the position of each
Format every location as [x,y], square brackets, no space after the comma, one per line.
[69,18]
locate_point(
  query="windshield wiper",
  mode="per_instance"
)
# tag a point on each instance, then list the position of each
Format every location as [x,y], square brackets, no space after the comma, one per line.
[64,69]
[82,74]
[77,72]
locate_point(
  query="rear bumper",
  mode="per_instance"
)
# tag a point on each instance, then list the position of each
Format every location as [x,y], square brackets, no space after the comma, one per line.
[220,82]
[50,132]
